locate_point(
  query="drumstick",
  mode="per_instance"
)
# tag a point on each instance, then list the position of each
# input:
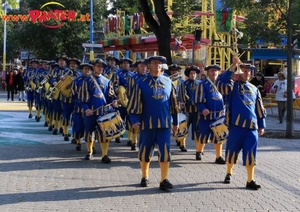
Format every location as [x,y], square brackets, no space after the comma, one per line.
[104,106]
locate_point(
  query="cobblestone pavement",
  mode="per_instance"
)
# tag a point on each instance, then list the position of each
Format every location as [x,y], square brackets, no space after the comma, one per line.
[41,172]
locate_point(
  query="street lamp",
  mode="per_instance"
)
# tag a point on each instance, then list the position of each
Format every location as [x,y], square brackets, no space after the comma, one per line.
[4,36]
[92,57]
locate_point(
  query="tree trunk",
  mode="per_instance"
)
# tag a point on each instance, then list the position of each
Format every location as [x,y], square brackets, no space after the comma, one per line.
[161,28]
[289,112]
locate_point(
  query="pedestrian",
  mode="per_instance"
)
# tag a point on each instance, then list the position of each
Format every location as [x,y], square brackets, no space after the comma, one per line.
[10,82]
[21,84]
[259,83]
[245,117]
[152,102]
[279,88]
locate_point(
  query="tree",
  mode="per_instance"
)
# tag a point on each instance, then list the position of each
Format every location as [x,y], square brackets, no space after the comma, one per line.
[161,26]
[274,18]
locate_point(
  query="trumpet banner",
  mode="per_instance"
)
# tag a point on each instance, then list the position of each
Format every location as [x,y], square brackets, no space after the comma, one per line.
[223,16]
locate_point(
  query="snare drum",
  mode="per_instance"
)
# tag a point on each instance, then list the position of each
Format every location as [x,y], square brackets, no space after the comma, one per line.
[111,125]
[183,128]
[220,130]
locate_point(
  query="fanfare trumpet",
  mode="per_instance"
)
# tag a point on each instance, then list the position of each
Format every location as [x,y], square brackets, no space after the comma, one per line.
[31,85]
[175,76]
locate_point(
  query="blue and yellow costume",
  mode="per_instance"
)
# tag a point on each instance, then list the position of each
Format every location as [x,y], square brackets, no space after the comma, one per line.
[133,135]
[78,112]
[244,116]
[29,77]
[93,99]
[53,65]
[110,71]
[67,101]
[56,102]
[119,79]
[190,86]
[152,102]
[40,102]
[178,82]
[208,97]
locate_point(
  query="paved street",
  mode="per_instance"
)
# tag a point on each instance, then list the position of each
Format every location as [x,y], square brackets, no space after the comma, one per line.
[41,172]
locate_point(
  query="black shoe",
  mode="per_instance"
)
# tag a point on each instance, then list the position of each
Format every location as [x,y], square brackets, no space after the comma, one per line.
[253,185]
[38,119]
[183,149]
[227,179]
[177,143]
[30,116]
[199,155]
[89,156]
[50,128]
[144,182]
[165,185]
[19,99]
[133,146]
[129,143]
[106,159]
[61,130]
[66,138]
[78,147]
[35,117]
[94,151]
[54,132]
[46,124]
[220,160]
[118,140]
[73,141]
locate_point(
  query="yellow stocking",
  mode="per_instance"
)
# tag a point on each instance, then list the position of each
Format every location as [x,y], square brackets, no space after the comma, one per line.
[78,141]
[55,124]
[30,110]
[230,168]
[218,150]
[135,138]
[199,146]
[145,169]
[250,173]
[89,147]
[182,142]
[130,135]
[65,128]
[104,148]
[164,170]
[38,112]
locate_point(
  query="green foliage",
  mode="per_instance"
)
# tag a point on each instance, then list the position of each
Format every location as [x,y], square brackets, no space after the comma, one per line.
[269,16]
[129,6]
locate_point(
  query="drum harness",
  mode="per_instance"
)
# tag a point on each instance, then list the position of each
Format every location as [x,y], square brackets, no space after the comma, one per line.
[213,84]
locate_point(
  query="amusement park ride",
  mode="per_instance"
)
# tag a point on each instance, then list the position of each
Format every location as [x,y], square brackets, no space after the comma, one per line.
[124,33]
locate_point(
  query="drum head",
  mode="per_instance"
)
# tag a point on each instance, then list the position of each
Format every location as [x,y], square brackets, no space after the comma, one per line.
[106,117]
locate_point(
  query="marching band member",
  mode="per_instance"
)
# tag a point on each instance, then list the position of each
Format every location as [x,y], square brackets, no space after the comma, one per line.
[111,69]
[191,85]
[245,117]
[44,71]
[56,75]
[181,97]
[53,65]
[67,101]
[96,92]
[141,72]
[38,95]
[30,85]
[120,78]
[78,113]
[210,107]
[150,107]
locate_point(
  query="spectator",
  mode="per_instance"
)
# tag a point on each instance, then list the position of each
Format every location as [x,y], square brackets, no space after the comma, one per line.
[10,83]
[280,88]
[21,84]
[259,83]
[15,76]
